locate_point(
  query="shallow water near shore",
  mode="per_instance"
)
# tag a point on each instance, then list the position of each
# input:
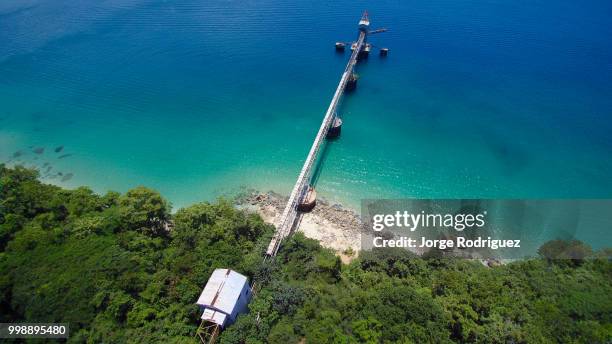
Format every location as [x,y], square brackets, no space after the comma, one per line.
[201,99]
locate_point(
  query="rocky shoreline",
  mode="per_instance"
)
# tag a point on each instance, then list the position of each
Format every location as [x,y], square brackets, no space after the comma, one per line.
[333,225]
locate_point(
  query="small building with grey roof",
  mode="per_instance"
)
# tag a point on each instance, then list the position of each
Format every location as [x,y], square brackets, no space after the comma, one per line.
[225,296]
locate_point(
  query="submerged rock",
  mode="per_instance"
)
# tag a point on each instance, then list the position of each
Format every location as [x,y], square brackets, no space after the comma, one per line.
[67,177]
[64,156]
[17,154]
[39,150]
[37,116]
[58,149]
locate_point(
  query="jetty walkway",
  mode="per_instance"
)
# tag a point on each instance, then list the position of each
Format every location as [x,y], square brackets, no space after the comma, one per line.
[303,192]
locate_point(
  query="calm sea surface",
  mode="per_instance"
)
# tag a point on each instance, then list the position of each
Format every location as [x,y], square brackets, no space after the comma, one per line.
[496,99]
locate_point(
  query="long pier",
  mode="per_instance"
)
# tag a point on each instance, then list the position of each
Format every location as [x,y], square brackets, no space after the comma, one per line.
[287,220]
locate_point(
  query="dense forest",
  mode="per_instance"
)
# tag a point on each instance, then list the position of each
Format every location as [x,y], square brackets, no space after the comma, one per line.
[109,266]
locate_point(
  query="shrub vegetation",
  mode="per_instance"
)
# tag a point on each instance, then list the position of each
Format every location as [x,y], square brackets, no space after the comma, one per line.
[109,266]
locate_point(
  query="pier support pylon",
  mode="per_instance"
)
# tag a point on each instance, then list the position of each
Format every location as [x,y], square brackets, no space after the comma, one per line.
[351,84]
[335,129]
[309,201]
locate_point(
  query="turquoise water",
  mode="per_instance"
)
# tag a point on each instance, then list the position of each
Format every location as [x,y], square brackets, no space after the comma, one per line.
[202,98]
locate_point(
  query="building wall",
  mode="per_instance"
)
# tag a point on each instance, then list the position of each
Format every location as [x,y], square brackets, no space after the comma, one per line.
[241,305]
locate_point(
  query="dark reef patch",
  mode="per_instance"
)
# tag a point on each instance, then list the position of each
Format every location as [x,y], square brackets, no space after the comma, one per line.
[39,150]
[58,149]
[512,157]
[37,116]
[67,177]
[64,156]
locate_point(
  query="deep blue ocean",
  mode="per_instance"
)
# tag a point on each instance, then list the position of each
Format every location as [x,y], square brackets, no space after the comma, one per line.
[198,99]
